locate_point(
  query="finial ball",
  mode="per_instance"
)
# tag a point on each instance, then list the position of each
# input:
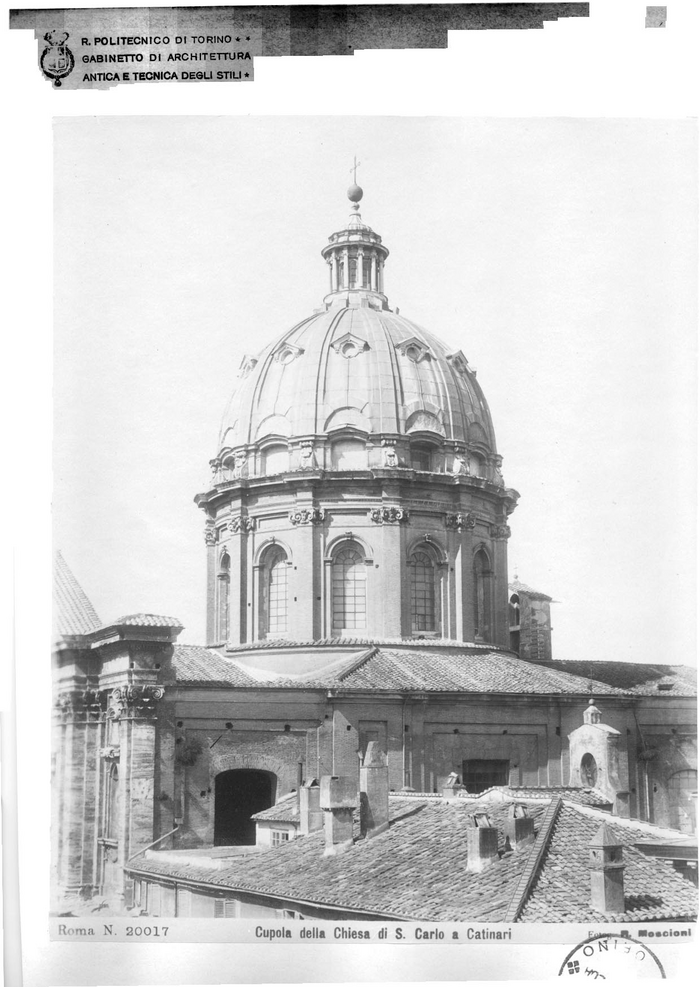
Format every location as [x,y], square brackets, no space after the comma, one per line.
[355,193]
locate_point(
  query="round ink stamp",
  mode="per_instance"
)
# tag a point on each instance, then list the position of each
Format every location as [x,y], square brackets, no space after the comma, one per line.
[609,955]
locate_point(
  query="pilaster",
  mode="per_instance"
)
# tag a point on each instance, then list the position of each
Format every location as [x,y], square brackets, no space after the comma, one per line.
[135,708]
[500,533]
[210,539]
[77,728]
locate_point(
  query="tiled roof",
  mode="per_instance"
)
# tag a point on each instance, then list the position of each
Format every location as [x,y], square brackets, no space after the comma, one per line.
[193,665]
[633,678]
[145,620]
[455,671]
[518,587]
[584,796]
[73,612]
[561,892]
[286,810]
[425,844]
[353,642]
[407,669]
[416,870]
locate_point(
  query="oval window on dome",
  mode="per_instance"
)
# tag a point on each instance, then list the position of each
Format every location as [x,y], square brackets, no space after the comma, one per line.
[275,459]
[348,454]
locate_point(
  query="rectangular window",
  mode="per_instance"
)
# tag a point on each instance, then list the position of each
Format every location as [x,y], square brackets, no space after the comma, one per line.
[372,730]
[280,836]
[152,902]
[225,908]
[482,774]
[184,903]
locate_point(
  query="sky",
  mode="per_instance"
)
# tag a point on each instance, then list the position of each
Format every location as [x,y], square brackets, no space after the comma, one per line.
[558,254]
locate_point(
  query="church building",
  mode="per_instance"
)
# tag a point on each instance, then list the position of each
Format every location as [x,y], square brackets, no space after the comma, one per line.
[356,528]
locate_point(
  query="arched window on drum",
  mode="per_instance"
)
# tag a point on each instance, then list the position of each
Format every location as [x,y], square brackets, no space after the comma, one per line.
[424,581]
[348,590]
[274,568]
[482,577]
[223,595]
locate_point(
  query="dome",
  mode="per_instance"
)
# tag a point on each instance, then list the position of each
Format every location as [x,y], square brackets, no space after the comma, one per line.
[356,492]
[357,369]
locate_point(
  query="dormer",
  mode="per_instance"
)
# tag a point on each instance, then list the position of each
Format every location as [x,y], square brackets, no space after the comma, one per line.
[414,348]
[287,353]
[459,362]
[349,345]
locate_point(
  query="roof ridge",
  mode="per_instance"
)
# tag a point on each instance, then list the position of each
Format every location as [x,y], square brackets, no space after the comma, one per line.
[539,847]
[358,663]
[624,822]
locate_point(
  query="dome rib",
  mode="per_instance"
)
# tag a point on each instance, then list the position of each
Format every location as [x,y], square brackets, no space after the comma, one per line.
[386,381]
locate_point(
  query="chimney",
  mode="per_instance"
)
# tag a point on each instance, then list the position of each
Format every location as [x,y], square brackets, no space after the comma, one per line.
[482,842]
[520,826]
[607,872]
[374,792]
[338,800]
[452,786]
[310,814]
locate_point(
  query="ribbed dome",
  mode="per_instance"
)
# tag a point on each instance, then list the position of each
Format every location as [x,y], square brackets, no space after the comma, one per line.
[356,371]
[373,371]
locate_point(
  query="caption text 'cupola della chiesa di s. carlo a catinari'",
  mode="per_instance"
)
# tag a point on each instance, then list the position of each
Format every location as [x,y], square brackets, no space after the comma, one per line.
[359,618]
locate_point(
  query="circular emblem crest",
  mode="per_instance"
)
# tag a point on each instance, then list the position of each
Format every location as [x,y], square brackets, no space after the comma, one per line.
[610,955]
[57,59]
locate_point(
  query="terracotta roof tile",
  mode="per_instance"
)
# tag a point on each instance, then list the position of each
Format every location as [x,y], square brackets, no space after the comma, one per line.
[416,870]
[193,665]
[145,620]
[634,678]
[286,810]
[561,893]
[458,671]
[584,796]
[426,844]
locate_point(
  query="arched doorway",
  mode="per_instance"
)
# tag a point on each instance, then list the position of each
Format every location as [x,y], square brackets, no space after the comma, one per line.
[239,794]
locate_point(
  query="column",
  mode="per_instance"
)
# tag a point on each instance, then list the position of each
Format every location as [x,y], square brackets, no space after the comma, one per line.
[501,633]
[237,601]
[75,790]
[300,602]
[360,263]
[346,267]
[334,272]
[210,541]
[468,597]
[391,590]
[373,275]
[135,707]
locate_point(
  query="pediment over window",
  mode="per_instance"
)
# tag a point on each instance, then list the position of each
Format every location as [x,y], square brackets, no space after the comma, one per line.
[477,436]
[350,345]
[274,425]
[424,421]
[287,353]
[414,348]
[248,363]
[459,361]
